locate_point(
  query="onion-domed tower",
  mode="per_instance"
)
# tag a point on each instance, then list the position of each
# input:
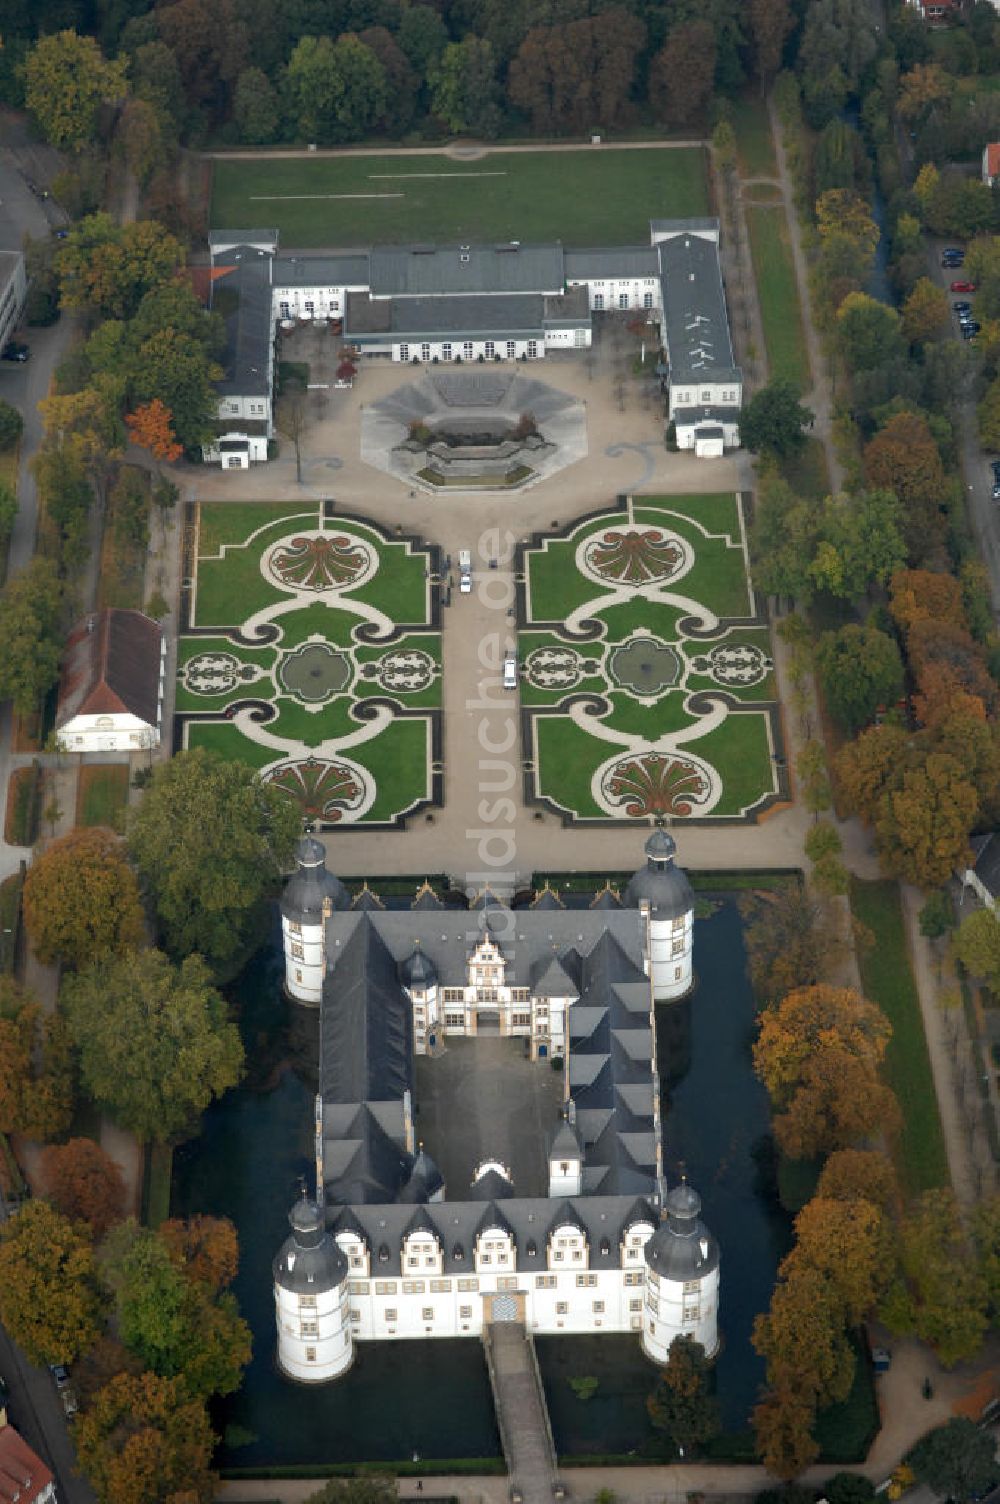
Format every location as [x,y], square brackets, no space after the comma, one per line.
[682,1279]
[418,975]
[311,1303]
[302,903]
[665,890]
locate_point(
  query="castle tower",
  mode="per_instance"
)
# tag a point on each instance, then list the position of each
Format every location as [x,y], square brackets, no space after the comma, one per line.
[565,1163]
[661,890]
[302,902]
[682,1279]
[311,1303]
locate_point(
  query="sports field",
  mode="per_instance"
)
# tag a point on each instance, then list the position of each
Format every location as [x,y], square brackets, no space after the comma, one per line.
[583,197]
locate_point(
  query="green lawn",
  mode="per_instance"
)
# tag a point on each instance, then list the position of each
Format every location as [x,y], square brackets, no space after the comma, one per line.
[753,137]
[580,197]
[888,981]
[102,795]
[231,522]
[779,296]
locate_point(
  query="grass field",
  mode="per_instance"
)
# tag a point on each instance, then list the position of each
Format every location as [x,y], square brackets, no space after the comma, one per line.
[753,138]
[779,296]
[580,197]
[888,981]
[102,795]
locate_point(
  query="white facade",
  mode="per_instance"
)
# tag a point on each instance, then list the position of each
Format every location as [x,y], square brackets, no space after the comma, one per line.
[305,959]
[314,1333]
[312,302]
[671,947]
[621,294]
[565,1297]
[673,1308]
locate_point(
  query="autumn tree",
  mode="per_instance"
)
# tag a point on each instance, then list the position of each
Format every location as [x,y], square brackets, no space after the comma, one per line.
[210,840]
[926,314]
[818,1053]
[802,1338]
[868,332]
[144,1437]
[84,1183]
[861,671]
[66,83]
[782,1425]
[31,638]
[923,823]
[770,23]
[36,1068]
[904,458]
[50,1300]
[792,939]
[205,1249]
[926,595]
[175,1325]
[151,428]
[868,767]
[177,368]
[682,74]
[81,899]
[682,1403]
[920,89]
[946,1293]
[401,82]
[850,1243]
[860,1174]
[209,39]
[155,1041]
[107,269]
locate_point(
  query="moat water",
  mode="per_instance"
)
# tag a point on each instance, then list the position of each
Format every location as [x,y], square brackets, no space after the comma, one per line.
[433,1398]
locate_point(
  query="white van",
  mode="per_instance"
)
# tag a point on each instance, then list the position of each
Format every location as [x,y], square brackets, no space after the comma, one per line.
[465,571]
[510,669]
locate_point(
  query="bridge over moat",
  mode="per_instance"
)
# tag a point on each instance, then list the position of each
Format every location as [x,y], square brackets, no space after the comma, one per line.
[522,1415]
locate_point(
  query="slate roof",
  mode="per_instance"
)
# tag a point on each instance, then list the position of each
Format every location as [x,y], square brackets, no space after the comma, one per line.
[347,270]
[986,850]
[604,1219]
[246,359]
[437,318]
[365,1026]
[421,271]
[707,414]
[311,884]
[253,237]
[682,1248]
[111,665]
[617,262]
[695,320]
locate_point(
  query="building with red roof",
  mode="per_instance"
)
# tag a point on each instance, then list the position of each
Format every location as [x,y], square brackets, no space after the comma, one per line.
[111,684]
[24,1478]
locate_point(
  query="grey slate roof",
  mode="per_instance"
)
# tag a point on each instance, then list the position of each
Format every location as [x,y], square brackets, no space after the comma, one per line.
[664,885]
[611,261]
[304,894]
[419,271]
[986,850]
[246,358]
[443,317]
[707,415]
[695,320]
[682,1248]
[365,1022]
[309,1261]
[361,1161]
[604,1219]
[347,270]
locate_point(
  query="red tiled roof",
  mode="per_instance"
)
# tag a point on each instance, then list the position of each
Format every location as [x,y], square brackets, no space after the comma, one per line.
[111,665]
[202,277]
[993,159]
[23,1475]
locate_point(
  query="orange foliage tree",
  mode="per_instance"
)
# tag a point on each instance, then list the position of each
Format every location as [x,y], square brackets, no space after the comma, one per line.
[151,426]
[145,1438]
[84,1183]
[81,899]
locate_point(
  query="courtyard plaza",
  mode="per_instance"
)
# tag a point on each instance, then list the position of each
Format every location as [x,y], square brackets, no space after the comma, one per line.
[477,836]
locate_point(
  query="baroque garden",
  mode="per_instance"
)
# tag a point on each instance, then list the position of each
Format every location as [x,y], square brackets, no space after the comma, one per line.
[312,650]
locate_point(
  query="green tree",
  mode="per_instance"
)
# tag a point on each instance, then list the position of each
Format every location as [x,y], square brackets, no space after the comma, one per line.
[255,108]
[948,1294]
[977,945]
[144,1437]
[861,670]
[8,511]
[50,1300]
[956,1459]
[849,1488]
[30,635]
[66,81]
[859,543]
[774,420]
[154,1040]
[937,916]
[336,90]
[986,1235]
[988,412]
[11,426]
[792,940]
[210,840]
[868,332]
[175,368]
[362,1490]
[783,540]
[682,1403]
[464,89]
[81,899]
[107,269]
[422,36]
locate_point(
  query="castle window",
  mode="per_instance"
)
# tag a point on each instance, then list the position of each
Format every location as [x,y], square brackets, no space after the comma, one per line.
[633,1279]
[521,1020]
[298,975]
[427,1314]
[385,1287]
[586,1281]
[355,1315]
[389,1313]
[558,1257]
[598,1307]
[359,1287]
[454,1020]
[692,1286]
[485,1258]
[677,948]
[677,973]
[545,1281]
[440,1286]
[468,1284]
[357,1261]
[310,1329]
[691,1313]
[294,927]
[413,1263]
[310,1355]
[307,1302]
[635,1305]
[413,1287]
[507,1282]
[562,1308]
[464,1312]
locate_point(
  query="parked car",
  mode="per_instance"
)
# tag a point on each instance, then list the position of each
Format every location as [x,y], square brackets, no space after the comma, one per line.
[961,308]
[15,351]
[60,1373]
[69,1402]
[963,287]
[952,258]
[971,329]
